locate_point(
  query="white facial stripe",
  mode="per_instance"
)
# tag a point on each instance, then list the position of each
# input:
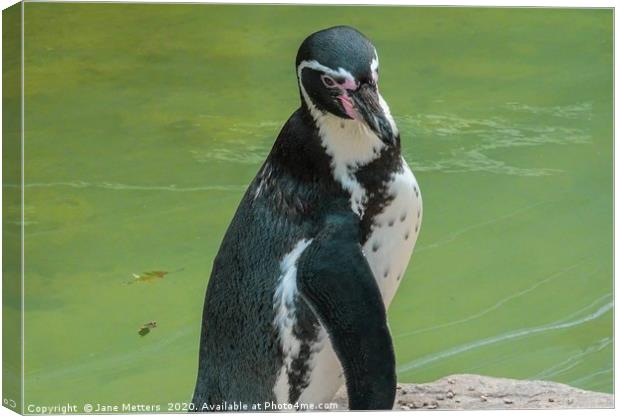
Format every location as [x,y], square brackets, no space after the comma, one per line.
[316,114]
[374,64]
[341,73]
[388,115]
[374,67]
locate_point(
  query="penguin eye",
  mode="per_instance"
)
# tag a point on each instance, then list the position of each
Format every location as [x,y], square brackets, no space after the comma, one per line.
[328,81]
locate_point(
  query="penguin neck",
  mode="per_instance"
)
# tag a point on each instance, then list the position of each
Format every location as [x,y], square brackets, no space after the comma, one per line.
[354,149]
[297,152]
[349,143]
[332,155]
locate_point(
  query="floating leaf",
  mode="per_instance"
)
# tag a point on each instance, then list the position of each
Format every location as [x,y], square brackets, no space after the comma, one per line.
[151,276]
[146,328]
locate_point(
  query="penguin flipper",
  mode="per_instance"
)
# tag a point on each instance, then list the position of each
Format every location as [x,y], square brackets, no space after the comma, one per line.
[336,281]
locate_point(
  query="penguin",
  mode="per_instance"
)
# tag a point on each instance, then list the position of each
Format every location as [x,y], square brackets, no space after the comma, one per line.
[296,303]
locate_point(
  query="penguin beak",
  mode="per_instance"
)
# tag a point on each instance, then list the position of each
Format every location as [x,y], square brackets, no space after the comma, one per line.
[367,105]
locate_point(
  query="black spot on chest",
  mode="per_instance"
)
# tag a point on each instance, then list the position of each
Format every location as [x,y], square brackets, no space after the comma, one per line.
[375,178]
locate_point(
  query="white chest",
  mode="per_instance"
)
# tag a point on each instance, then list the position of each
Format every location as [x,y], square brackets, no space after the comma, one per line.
[395,229]
[394,233]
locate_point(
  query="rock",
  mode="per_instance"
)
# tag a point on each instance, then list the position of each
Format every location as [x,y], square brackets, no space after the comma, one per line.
[481,392]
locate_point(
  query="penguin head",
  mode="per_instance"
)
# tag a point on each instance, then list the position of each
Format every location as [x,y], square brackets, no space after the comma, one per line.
[338,74]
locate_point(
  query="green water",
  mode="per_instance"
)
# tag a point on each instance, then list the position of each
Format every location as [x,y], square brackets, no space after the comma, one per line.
[144,124]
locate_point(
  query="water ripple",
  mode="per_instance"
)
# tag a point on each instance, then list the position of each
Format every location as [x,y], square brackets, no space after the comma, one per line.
[591,376]
[472,139]
[453,236]
[573,111]
[573,360]
[525,332]
[129,187]
[476,161]
[500,303]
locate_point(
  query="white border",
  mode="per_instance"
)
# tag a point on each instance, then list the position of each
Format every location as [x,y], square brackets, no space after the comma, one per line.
[476,3]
